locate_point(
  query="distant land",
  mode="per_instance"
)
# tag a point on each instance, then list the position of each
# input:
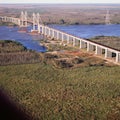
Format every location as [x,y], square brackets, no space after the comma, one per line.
[66,13]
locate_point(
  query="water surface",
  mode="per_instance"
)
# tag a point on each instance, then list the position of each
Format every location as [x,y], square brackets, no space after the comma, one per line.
[83,31]
[28,40]
[88,31]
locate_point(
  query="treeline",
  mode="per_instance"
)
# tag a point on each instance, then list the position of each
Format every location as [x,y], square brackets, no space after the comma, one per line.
[7,24]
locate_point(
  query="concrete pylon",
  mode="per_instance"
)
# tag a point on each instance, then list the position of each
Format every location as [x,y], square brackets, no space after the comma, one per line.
[36,22]
[23,19]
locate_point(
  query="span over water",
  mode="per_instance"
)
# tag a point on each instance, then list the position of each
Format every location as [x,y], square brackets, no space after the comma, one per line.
[98,49]
[89,31]
[28,40]
[83,31]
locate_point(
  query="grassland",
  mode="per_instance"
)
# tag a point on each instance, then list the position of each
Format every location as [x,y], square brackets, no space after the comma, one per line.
[46,92]
[111,41]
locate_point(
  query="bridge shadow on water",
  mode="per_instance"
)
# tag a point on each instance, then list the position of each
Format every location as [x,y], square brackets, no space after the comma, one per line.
[9,110]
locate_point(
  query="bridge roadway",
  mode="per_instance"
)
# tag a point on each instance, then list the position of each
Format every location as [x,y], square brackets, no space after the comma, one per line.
[97,49]
[108,53]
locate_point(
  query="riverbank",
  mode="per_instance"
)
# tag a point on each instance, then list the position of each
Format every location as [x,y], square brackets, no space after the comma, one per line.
[110,41]
[59,55]
[62,55]
[12,52]
[7,24]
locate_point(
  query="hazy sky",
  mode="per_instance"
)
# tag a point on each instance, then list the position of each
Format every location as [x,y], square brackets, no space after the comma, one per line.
[59,1]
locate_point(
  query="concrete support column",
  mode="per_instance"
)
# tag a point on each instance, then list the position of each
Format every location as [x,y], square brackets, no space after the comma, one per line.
[11,20]
[82,44]
[49,32]
[45,30]
[26,23]
[98,50]
[108,54]
[90,47]
[53,34]
[117,57]
[68,39]
[38,28]
[57,35]
[33,26]
[5,18]
[62,37]
[74,41]
[2,18]
[42,29]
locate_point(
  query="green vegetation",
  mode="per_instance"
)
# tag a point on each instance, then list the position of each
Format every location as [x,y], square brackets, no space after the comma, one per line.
[7,24]
[12,52]
[66,14]
[111,41]
[47,93]
[9,46]
[52,89]
[65,56]
[58,47]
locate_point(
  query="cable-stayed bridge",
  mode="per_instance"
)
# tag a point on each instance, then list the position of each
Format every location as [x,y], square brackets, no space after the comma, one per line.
[103,51]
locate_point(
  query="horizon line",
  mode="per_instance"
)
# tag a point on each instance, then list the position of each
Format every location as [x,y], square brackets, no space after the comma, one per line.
[57,3]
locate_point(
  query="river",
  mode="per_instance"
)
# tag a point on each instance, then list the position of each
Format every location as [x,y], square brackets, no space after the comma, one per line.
[30,41]
[83,31]
[89,31]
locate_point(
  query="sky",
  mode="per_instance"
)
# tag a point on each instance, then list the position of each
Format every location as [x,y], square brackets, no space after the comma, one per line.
[59,1]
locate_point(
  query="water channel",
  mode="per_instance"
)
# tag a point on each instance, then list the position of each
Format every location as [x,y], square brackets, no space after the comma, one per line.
[83,31]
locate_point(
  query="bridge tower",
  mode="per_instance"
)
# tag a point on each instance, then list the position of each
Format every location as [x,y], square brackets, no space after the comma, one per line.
[36,23]
[23,18]
[107,18]
[23,22]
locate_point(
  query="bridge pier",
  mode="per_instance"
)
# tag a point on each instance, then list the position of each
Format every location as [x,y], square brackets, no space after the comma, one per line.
[62,37]
[68,39]
[82,44]
[43,30]
[53,34]
[58,35]
[74,41]
[90,47]
[98,50]
[108,54]
[117,57]
[49,32]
